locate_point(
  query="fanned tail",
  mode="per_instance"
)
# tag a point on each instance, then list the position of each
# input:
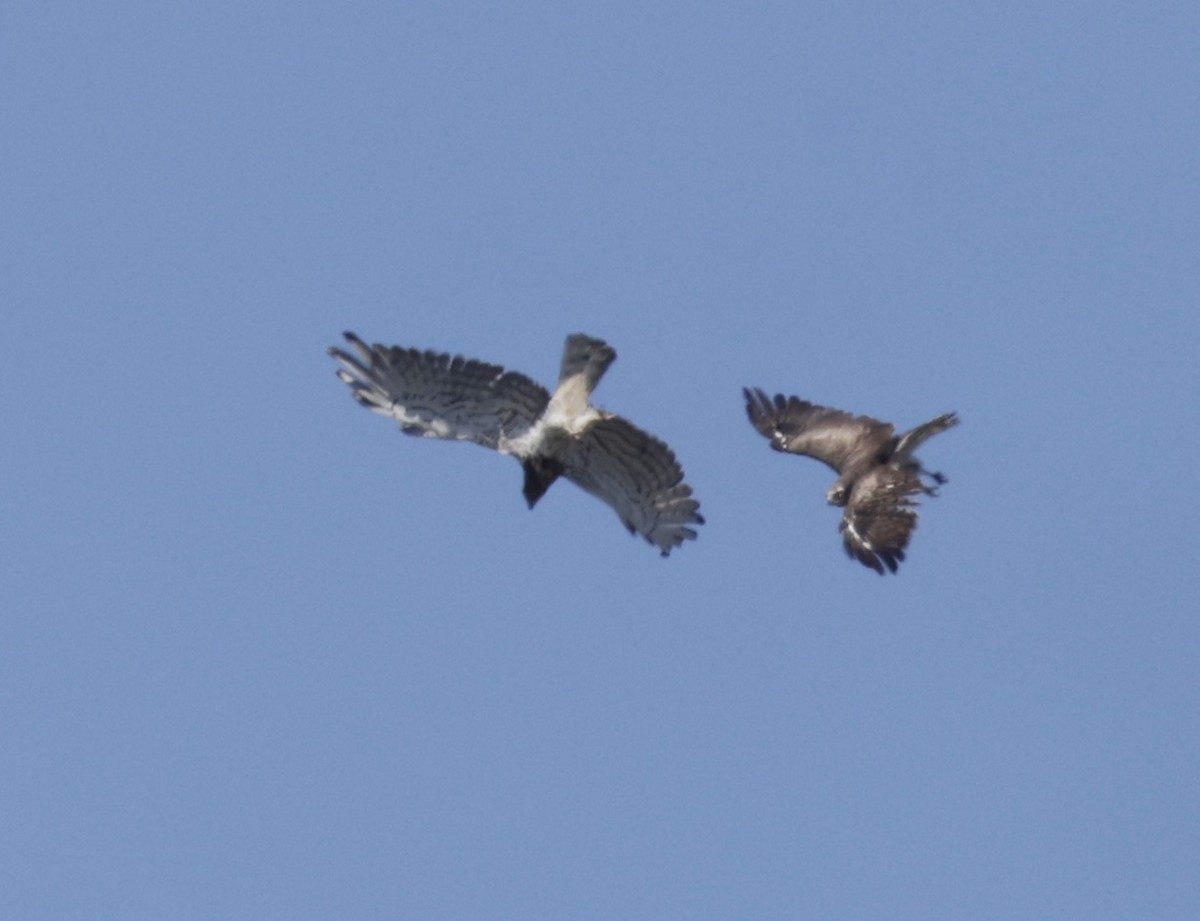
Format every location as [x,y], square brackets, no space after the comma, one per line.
[587,356]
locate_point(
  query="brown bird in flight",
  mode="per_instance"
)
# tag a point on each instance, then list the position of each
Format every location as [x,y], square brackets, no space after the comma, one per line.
[878,476]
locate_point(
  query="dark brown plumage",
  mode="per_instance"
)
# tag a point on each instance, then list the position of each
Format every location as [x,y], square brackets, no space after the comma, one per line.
[878,476]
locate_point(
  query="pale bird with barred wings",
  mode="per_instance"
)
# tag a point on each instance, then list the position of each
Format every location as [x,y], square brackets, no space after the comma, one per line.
[434,395]
[878,476]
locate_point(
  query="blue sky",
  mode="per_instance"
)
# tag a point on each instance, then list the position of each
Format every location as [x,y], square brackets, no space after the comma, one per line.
[263,657]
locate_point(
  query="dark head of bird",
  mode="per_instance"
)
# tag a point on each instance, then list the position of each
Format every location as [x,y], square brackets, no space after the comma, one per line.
[540,474]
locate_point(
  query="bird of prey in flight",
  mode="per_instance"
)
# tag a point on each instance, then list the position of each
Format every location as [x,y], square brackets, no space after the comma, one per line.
[878,476]
[433,395]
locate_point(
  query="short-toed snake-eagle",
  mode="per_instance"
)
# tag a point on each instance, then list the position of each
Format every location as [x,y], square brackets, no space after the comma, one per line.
[435,395]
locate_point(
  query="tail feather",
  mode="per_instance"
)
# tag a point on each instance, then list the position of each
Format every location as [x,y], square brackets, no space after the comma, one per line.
[588,356]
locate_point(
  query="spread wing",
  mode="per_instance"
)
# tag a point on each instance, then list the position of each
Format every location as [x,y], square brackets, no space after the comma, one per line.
[639,477]
[829,435]
[881,516]
[436,396]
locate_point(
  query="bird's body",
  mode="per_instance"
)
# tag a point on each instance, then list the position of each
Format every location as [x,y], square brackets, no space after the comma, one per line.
[434,395]
[878,476]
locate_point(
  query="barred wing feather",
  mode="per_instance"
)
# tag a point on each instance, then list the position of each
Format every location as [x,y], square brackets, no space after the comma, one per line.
[639,477]
[881,516]
[434,395]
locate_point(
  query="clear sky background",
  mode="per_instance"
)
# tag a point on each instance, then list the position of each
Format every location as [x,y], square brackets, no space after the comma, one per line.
[264,657]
